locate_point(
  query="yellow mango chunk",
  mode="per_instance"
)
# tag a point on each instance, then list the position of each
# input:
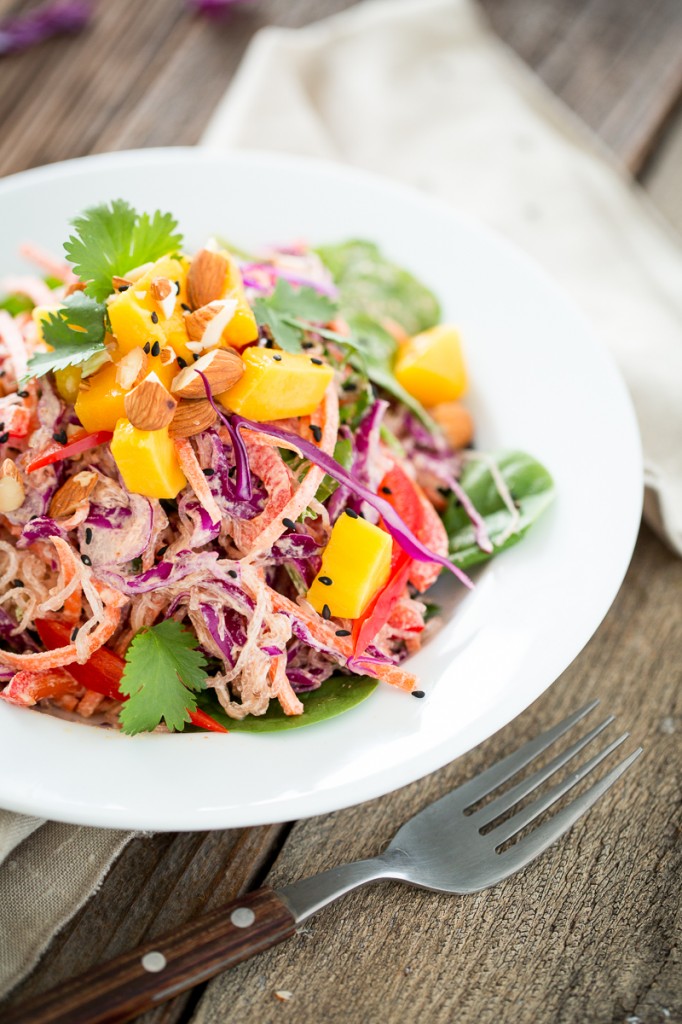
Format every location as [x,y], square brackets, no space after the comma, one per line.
[242,328]
[277,384]
[357,560]
[100,400]
[41,313]
[132,312]
[68,383]
[431,366]
[147,461]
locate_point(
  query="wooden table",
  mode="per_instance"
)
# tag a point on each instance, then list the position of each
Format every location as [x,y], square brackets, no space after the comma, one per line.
[589,934]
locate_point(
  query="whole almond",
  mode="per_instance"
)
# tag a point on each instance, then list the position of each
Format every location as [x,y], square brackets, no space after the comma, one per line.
[73,493]
[149,406]
[205,325]
[12,492]
[131,368]
[207,278]
[221,367]
[456,422]
[191,417]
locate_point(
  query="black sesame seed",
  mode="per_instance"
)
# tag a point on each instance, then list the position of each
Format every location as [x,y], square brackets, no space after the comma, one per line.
[278,359]
[316,361]
[147,348]
[289,523]
[85,560]
[162,551]
[177,287]
[123,287]
[155,317]
[2,426]
[187,309]
[59,436]
[232,472]
[2,373]
[418,693]
[445,491]
[352,513]
[17,583]
[74,633]
[307,344]
[232,573]
[348,385]
[209,471]
[326,611]
[316,432]
[386,490]
[181,363]
[22,394]
[4,438]
[88,535]
[31,518]
[343,632]
[196,356]
[326,581]
[156,348]
[269,343]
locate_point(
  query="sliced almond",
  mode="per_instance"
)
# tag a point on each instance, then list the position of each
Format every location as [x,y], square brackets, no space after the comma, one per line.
[191,417]
[131,369]
[207,278]
[12,492]
[73,493]
[221,367]
[121,282]
[164,293]
[206,325]
[75,286]
[149,406]
[456,422]
[136,273]
[167,355]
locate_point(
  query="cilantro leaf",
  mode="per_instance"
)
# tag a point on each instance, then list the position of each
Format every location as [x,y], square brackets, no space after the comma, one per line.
[162,668]
[290,312]
[75,331]
[112,239]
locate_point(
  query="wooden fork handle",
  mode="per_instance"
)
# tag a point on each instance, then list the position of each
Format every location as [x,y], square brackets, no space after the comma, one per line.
[120,989]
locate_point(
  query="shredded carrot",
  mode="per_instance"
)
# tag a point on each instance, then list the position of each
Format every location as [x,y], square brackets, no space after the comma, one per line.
[266,462]
[282,689]
[194,473]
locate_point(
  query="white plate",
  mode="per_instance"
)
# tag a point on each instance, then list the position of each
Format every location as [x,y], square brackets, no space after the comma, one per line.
[541,382]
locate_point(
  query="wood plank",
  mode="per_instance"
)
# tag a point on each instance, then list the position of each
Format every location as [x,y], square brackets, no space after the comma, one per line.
[618,65]
[588,933]
[663,176]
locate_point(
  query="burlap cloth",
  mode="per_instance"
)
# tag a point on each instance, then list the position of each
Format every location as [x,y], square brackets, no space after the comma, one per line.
[422,91]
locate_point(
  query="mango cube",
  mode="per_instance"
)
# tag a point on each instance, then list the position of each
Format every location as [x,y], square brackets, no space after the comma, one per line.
[357,561]
[276,385]
[242,328]
[430,366]
[100,401]
[134,311]
[147,461]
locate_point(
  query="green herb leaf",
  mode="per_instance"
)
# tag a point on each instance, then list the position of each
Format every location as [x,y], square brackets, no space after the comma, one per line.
[112,239]
[343,453]
[337,695]
[75,332]
[290,312]
[162,668]
[16,304]
[371,285]
[529,483]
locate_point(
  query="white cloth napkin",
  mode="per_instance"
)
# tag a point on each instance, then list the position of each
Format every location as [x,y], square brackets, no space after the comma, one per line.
[422,91]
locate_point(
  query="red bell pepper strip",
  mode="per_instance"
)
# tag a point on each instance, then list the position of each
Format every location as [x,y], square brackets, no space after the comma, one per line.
[80,442]
[102,672]
[399,491]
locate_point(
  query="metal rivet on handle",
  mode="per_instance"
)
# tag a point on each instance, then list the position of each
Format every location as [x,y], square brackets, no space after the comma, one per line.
[242,917]
[154,962]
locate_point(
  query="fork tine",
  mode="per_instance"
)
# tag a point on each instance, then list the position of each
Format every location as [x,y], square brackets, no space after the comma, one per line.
[522,789]
[478,787]
[544,835]
[528,814]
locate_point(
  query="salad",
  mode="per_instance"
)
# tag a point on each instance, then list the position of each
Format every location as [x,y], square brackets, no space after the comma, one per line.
[228,481]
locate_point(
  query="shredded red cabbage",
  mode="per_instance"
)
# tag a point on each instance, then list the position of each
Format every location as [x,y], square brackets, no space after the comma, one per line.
[24,30]
[394,524]
[39,528]
[243,488]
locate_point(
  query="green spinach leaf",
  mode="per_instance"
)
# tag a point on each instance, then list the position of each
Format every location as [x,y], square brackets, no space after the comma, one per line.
[531,487]
[336,695]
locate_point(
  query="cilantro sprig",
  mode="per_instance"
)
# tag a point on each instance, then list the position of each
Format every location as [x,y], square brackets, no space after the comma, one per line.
[290,312]
[163,672]
[76,333]
[112,239]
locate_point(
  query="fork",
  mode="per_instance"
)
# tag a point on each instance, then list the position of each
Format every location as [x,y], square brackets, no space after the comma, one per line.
[450,846]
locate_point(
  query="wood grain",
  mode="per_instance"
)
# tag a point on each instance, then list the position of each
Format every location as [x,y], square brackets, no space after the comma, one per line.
[592,932]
